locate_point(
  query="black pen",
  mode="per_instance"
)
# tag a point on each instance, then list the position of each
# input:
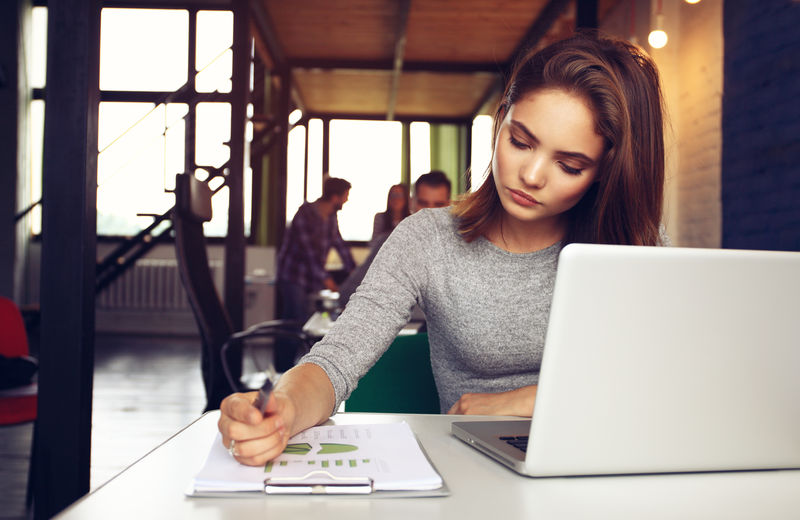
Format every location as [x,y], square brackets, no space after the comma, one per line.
[263,396]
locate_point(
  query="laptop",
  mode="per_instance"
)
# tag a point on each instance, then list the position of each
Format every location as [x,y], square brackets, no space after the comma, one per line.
[661,360]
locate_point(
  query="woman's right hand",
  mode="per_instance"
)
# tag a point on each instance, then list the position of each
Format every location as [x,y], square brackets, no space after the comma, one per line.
[258,439]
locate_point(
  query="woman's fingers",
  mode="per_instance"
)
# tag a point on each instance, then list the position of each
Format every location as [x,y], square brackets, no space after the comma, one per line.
[257,438]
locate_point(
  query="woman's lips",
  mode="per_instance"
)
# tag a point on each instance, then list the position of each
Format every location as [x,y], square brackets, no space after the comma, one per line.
[523,199]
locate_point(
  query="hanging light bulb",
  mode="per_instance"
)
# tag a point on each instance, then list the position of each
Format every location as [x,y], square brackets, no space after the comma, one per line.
[657,37]
[692,1]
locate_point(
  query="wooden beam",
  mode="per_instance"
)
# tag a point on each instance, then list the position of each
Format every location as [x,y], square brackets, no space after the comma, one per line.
[586,14]
[408,66]
[266,32]
[403,118]
[403,7]
[63,431]
[157,97]
[234,240]
[486,103]
[547,17]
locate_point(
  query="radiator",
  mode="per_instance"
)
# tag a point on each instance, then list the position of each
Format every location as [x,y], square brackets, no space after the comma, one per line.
[151,284]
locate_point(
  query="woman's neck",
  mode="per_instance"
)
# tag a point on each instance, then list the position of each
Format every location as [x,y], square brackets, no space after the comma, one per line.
[517,236]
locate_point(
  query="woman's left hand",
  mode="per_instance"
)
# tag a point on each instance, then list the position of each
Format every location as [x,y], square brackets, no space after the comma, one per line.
[514,402]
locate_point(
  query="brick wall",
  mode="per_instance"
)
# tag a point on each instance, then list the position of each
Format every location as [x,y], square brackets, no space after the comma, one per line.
[698,127]
[691,77]
[761,125]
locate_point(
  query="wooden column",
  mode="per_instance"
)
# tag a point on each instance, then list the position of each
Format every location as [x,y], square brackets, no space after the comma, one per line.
[235,240]
[586,14]
[69,214]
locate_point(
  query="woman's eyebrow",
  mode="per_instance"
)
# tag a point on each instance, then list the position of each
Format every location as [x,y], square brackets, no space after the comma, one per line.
[524,129]
[572,155]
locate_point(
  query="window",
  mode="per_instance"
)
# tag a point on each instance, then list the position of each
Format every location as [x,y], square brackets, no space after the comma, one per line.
[141,149]
[314,190]
[368,154]
[143,145]
[295,174]
[143,49]
[481,149]
[420,150]
[37,66]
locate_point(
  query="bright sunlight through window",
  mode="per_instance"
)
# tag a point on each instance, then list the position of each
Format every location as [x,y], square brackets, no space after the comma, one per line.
[368,154]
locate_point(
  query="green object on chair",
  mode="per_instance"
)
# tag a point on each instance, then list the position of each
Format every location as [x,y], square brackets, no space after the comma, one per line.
[400,382]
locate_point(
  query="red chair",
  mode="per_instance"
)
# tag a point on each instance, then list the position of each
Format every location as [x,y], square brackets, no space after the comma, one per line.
[16,404]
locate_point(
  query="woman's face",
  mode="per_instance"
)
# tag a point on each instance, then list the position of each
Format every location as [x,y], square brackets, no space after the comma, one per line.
[396,199]
[546,157]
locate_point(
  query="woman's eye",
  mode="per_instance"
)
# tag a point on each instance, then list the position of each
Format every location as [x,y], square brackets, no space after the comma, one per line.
[517,144]
[569,169]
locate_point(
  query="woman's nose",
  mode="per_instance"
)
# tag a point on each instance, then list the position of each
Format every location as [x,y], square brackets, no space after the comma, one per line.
[533,172]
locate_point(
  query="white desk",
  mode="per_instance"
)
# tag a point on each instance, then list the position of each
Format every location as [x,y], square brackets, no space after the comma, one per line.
[480,488]
[320,323]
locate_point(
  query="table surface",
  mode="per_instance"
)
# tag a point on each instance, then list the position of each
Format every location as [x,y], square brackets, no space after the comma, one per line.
[154,487]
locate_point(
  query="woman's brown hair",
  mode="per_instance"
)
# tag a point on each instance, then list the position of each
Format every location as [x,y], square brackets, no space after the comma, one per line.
[620,83]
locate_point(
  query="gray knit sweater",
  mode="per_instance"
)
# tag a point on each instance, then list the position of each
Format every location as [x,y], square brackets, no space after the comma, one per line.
[486,310]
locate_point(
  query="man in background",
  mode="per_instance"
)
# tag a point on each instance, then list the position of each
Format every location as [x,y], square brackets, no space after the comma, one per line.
[301,260]
[431,190]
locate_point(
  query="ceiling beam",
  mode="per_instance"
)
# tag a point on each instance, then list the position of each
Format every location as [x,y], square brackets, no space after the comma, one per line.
[266,30]
[547,17]
[486,103]
[403,6]
[408,66]
[403,118]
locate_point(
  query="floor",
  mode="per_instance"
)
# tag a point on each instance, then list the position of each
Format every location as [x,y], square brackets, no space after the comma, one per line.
[145,389]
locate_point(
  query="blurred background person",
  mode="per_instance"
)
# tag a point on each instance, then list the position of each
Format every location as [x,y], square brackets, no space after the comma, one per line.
[397,208]
[431,190]
[301,270]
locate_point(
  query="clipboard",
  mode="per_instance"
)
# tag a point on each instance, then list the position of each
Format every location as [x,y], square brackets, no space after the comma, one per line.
[319,481]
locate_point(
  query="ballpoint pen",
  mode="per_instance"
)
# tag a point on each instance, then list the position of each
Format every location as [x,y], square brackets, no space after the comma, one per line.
[263,396]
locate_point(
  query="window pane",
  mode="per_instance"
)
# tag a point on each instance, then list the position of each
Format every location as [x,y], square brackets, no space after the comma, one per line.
[218,225]
[37,63]
[295,171]
[248,199]
[213,131]
[143,49]
[368,154]
[214,61]
[481,149]
[141,150]
[36,143]
[420,150]
[314,159]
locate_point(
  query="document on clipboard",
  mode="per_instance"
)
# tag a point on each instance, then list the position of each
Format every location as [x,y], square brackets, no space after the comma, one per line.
[338,459]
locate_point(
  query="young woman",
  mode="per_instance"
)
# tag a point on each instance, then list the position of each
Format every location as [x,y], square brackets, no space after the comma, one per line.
[578,156]
[397,208]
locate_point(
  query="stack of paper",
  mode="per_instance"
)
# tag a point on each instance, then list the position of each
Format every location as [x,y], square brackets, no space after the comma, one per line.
[386,454]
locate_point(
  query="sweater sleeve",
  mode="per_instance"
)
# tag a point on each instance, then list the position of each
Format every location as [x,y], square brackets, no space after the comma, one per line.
[379,308]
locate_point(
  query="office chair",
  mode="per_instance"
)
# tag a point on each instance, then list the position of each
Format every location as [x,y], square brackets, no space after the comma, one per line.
[400,382]
[192,209]
[19,394]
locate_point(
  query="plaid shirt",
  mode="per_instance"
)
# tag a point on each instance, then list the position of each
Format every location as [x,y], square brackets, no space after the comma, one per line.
[301,259]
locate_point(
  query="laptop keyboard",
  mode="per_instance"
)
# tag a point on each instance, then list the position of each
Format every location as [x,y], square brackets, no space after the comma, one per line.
[520,441]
